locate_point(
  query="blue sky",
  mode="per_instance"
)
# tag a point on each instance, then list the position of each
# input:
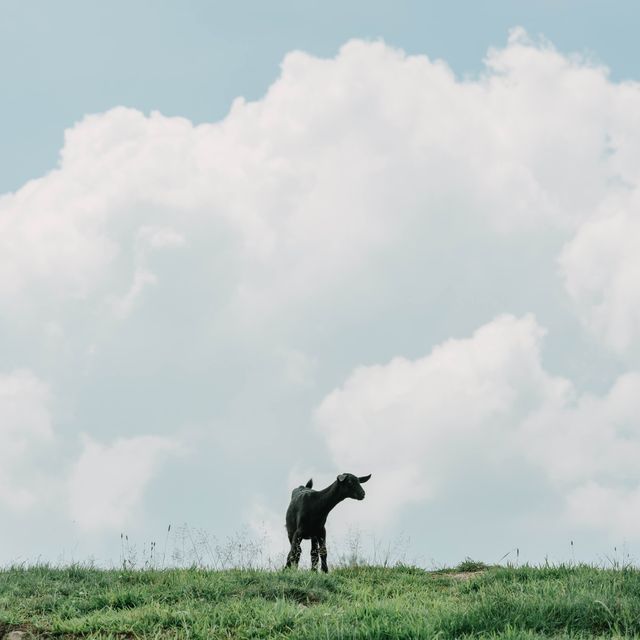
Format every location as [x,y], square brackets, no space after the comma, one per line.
[242,245]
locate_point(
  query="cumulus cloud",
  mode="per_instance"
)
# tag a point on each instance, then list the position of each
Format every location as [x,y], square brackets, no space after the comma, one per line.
[342,159]
[589,451]
[601,267]
[592,437]
[107,482]
[25,432]
[417,423]
[475,405]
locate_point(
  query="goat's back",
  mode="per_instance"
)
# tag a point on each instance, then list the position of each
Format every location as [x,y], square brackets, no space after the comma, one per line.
[300,491]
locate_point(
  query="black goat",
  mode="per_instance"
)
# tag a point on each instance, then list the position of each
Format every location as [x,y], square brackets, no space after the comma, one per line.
[308,511]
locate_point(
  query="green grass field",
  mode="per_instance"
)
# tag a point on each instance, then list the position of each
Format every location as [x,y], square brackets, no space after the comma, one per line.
[360,602]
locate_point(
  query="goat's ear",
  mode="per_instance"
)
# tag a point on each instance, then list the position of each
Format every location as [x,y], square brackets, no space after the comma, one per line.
[341,477]
[309,483]
[363,478]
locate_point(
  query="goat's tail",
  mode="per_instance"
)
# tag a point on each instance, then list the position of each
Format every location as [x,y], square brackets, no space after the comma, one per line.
[309,483]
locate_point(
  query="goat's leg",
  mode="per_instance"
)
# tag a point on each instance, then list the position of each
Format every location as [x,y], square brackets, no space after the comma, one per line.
[294,553]
[322,540]
[314,553]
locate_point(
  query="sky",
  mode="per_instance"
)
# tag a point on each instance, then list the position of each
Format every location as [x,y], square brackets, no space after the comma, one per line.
[242,245]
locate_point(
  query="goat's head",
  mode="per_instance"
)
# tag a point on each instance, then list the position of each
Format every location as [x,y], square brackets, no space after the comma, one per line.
[350,485]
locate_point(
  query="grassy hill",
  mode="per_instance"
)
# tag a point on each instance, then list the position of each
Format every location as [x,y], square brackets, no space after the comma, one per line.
[360,602]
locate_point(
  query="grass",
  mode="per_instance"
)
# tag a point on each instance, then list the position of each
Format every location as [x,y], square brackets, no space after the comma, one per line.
[364,602]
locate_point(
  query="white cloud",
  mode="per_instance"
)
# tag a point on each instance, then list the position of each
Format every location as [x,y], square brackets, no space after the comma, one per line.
[601,267]
[340,160]
[591,438]
[107,482]
[416,424]
[474,406]
[46,243]
[25,431]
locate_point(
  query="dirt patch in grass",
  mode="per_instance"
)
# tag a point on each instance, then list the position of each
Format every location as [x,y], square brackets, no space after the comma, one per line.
[21,632]
[464,575]
[16,632]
